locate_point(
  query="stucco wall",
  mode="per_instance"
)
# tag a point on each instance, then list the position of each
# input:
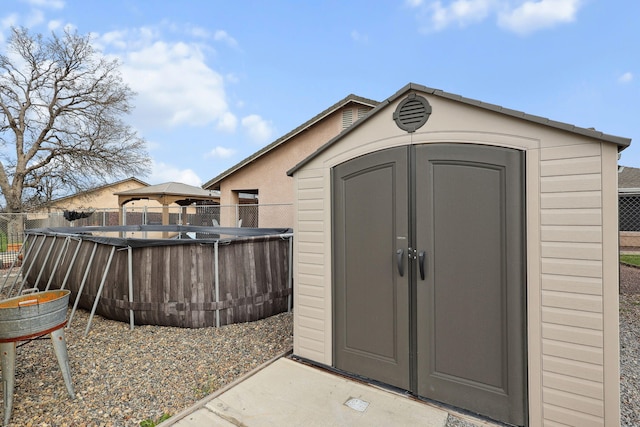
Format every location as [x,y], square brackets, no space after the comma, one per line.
[268,173]
[572,276]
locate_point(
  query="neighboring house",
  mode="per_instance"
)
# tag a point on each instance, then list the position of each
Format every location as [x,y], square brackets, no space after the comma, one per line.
[102,197]
[261,178]
[629,205]
[79,205]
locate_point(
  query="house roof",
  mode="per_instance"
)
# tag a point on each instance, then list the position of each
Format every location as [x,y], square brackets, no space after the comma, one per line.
[628,178]
[592,133]
[283,139]
[101,187]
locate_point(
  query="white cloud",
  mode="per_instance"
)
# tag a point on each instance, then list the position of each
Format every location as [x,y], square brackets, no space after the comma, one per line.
[227,122]
[519,16]
[174,84]
[232,78]
[536,15]
[222,36]
[54,25]
[460,12]
[162,172]
[221,152]
[626,77]
[359,37]
[8,21]
[199,32]
[35,18]
[259,130]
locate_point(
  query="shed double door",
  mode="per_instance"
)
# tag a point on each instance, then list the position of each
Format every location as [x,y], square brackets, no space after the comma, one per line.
[429,274]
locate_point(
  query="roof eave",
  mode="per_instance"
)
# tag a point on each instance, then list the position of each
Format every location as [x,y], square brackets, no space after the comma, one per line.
[315,119]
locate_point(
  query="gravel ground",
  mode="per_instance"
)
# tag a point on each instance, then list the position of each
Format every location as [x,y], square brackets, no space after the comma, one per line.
[122,377]
[630,346]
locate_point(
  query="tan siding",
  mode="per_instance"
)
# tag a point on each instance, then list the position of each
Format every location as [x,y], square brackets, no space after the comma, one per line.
[571,298]
[572,285]
[570,151]
[572,267]
[570,183]
[571,233]
[585,251]
[571,301]
[573,351]
[571,166]
[571,216]
[578,200]
[310,258]
[566,383]
[310,290]
[575,402]
[572,334]
[573,368]
[568,417]
[561,316]
[310,301]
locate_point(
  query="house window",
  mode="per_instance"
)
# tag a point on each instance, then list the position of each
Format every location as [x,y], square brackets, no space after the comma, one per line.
[248,205]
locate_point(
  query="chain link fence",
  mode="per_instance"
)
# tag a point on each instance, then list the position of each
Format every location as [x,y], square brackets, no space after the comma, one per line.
[12,226]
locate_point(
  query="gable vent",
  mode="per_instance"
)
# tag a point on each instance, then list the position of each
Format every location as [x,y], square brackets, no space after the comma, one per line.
[412,113]
[347,118]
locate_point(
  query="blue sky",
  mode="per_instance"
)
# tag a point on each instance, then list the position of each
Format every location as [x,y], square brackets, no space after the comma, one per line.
[218,80]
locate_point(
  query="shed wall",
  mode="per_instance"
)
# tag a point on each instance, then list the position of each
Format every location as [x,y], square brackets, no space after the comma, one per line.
[572,274]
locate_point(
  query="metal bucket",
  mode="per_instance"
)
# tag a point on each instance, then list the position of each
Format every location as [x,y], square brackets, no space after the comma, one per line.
[33,314]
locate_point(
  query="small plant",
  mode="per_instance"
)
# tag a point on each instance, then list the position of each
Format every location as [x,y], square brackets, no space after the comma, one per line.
[151,423]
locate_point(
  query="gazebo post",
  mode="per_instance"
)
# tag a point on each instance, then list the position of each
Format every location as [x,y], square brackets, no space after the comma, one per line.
[165,219]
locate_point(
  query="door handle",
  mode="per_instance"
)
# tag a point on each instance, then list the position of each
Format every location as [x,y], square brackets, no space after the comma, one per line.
[400,261]
[421,256]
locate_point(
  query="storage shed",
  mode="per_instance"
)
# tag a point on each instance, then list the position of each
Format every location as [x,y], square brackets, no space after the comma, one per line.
[467,253]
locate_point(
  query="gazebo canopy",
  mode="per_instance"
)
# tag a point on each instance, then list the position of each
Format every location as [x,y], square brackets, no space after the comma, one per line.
[167,194]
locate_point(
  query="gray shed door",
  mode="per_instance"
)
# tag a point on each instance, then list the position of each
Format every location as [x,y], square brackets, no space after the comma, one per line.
[429,275]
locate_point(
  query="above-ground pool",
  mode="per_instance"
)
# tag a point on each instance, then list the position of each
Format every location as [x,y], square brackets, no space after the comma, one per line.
[210,276]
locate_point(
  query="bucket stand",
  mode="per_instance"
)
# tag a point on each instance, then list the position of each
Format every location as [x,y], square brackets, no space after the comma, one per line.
[8,364]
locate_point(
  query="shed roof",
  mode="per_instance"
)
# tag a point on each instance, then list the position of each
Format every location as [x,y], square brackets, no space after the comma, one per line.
[318,117]
[589,132]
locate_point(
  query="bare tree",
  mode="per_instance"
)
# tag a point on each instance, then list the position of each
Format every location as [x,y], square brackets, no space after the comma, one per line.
[61,127]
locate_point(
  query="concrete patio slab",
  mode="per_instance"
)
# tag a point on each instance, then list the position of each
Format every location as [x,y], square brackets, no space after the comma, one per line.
[290,393]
